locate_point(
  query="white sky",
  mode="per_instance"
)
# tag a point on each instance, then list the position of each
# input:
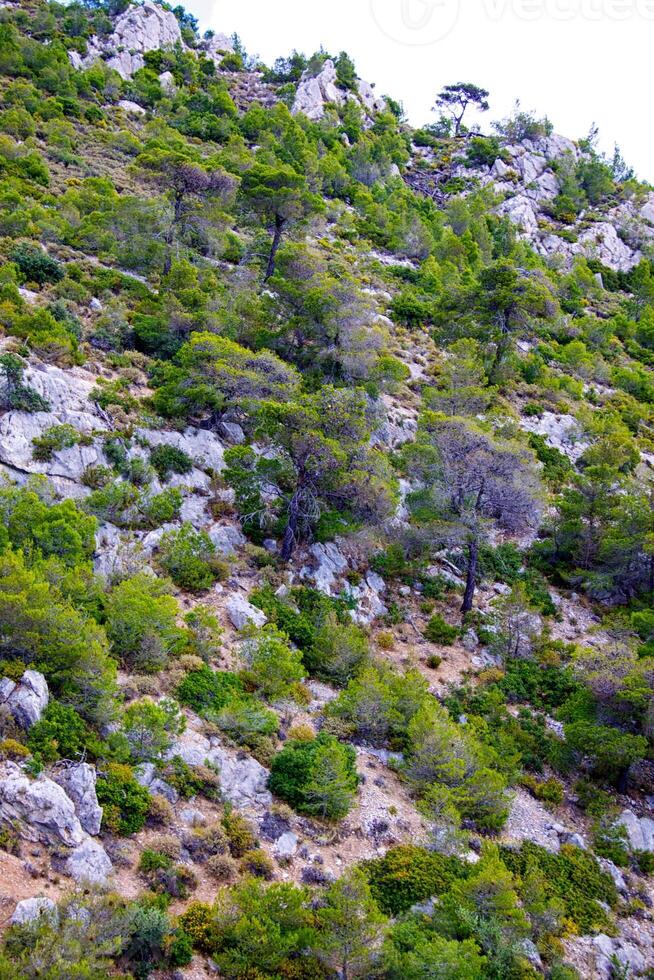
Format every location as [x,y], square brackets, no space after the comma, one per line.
[578,61]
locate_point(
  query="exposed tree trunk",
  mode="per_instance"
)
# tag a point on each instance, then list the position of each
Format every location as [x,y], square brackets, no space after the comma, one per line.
[276,242]
[290,534]
[170,234]
[471,576]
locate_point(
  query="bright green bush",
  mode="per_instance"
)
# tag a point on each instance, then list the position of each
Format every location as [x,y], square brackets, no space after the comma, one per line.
[438,631]
[409,874]
[54,439]
[124,802]
[60,733]
[573,877]
[186,556]
[142,622]
[207,691]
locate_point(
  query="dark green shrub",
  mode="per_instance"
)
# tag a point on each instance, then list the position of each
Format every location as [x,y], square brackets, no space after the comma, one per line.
[547,790]
[483,151]
[645,861]
[125,803]
[438,631]
[60,733]
[35,264]
[208,691]
[17,394]
[408,874]
[169,459]
[317,777]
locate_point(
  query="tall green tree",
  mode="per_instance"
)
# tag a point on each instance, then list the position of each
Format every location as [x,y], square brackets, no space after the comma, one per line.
[280,197]
[350,925]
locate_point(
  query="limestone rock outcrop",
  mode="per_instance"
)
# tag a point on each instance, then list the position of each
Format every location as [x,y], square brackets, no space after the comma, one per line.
[38,808]
[78,781]
[315,92]
[139,29]
[27,699]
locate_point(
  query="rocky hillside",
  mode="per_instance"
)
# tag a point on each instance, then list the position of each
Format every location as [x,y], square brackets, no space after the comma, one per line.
[326,562]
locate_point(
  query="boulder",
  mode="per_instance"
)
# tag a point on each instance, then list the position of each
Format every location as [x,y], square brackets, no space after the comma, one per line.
[89,863]
[167,82]
[233,433]
[31,909]
[329,564]
[26,700]
[194,511]
[78,782]
[133,108]
[241,612]
[243,780]
[227,538]
[286,845]
[610,950]
[640,830]
[38,808]
[147,775]
[192,747]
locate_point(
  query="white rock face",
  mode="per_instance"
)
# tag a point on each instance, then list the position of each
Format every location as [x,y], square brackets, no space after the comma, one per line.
[31,909]
[561,431]
[89,863]
[39,808]
[603,242]
[329,564]
[243,780]
[640,830]
[26,700]
[327,571]
[369,98]
[204,447]
[138,29]
[78,782]
[216,47]
[147,775]
[241,612]
[192,747]
[227,538]
[133,108]
[314,93]
[67,393]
